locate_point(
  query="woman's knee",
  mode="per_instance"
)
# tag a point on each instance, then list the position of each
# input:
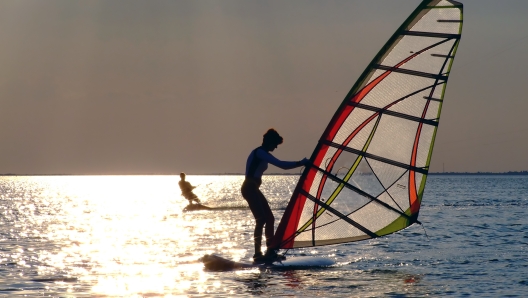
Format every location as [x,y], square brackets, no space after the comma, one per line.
[270,220]
[269,216]
[260,222]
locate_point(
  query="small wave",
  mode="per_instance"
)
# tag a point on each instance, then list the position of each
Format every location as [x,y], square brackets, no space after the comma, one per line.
[10,290]
[384,271]
[478,204]
[55,279]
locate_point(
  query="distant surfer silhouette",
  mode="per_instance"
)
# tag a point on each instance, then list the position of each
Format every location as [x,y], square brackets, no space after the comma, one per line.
[187,190]
[257,163]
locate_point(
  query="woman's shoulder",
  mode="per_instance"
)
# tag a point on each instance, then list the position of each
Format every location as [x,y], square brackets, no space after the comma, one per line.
[260,151]
[265,155]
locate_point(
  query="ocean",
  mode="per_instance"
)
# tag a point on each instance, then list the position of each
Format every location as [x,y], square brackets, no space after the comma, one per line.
[126,236]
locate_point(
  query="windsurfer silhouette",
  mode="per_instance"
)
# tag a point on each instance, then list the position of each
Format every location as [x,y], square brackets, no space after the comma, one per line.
[187,190]
[257,163]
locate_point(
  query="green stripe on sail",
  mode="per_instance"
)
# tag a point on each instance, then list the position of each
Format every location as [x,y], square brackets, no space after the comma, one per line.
[398,224]
[428,162]
[345,179]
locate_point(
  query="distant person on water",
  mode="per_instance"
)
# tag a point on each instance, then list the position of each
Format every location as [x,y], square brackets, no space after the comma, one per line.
[257,163]
[187,190]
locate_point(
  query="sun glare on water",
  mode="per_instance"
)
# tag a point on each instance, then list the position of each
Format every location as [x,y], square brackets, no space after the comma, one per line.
[128,235]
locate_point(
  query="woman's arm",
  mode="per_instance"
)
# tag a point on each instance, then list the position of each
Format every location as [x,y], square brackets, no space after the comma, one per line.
[285,165]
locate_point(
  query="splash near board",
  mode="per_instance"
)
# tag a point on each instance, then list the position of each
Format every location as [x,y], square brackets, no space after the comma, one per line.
[196,207]
[368,170]
[217,263]
[370,166]
[200,207]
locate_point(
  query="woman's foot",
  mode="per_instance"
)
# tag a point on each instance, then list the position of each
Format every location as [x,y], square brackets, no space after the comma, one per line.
[272,255]
[258,258]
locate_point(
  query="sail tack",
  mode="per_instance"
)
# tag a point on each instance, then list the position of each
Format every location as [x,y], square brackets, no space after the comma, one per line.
[369,168]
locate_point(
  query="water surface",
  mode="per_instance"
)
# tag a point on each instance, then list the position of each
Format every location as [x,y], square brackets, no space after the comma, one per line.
[126,236]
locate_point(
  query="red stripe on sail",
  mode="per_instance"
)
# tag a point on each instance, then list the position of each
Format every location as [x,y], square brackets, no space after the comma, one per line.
[413,189]
[285,234]
[340,120]
[288,231]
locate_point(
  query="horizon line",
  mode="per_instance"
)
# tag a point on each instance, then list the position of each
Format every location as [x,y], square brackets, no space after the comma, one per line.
[525,172]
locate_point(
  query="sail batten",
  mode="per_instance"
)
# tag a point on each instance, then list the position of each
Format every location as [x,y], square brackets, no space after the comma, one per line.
[431,34]
[412,72]
[432,98]
[370,166]
[362,193]
[374,157]
[393,113]
[339,214]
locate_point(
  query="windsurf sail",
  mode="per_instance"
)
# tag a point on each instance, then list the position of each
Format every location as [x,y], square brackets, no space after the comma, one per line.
[370,166]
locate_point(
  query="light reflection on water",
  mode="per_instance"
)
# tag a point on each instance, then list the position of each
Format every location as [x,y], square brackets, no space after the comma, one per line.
[127,236]
[117,235]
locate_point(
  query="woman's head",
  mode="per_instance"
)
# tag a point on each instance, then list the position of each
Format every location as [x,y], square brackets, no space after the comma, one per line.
[271,139]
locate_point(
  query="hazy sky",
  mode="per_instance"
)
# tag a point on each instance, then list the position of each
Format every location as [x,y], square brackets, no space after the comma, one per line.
[160,87]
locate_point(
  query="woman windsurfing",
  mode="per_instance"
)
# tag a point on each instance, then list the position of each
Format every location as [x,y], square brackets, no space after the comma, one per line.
[257,163]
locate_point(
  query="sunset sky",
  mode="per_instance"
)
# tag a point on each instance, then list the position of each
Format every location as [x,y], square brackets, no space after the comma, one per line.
[161,87]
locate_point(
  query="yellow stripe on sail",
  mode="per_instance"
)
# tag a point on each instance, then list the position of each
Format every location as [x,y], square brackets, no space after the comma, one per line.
[345,179]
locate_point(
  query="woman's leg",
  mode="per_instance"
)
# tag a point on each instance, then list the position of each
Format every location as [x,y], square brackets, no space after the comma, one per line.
[262,212]
[269,221]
